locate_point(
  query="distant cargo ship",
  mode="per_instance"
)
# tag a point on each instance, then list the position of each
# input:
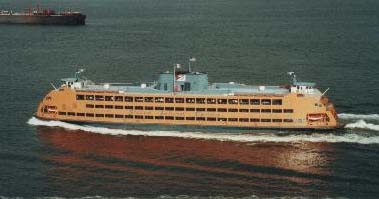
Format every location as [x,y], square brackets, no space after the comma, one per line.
[44,17]
[186,98]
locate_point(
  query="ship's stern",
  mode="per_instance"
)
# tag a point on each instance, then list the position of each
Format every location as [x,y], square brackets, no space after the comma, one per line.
[331,113]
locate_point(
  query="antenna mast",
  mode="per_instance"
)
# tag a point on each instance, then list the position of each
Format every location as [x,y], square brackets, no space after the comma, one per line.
[293,75]
[176,66]
[193,59]
[173,81]
[78,72]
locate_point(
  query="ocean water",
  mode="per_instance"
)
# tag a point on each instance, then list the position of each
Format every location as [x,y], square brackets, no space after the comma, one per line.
[332,42]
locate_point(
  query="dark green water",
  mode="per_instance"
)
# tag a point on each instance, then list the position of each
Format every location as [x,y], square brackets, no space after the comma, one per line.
[332,42]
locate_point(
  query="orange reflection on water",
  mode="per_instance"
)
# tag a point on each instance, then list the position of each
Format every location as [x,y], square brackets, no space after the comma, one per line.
[164,160]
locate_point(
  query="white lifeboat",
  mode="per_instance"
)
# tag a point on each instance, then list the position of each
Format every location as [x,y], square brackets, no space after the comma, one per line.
[52,109]
[315,117]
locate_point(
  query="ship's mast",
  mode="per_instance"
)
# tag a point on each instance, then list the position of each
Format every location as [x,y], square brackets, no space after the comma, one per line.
[30,9]
[77,73]
[293,76]
[176,66]
[191,59]
[173,81]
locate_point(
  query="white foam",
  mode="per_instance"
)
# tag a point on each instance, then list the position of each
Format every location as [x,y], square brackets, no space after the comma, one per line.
[316,137]
[359,116]
[361,124]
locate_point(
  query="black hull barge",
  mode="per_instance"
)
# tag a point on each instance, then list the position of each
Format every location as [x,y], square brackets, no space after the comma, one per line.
[43,18]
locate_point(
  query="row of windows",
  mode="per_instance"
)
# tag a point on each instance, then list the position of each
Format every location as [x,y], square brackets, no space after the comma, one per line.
[149,117]
[190,109]
[180,100]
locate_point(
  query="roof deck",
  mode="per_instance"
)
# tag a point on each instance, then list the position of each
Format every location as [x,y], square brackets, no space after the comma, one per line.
[189,83]
[212,90]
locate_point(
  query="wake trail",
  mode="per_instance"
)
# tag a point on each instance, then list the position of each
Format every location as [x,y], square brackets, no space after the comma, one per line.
[348,116]
[359,121]
[361,124]
[268,137]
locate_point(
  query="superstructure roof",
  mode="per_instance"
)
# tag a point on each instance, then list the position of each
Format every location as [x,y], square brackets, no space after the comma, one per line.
[190,83]
[214,89]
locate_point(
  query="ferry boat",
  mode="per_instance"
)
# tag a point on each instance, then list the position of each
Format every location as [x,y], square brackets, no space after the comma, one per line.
[184,97]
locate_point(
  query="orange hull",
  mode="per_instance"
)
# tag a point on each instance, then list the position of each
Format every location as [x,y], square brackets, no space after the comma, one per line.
[106,106]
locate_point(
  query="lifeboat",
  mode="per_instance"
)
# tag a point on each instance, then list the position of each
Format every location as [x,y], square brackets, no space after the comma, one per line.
[52,109]
[315,117]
